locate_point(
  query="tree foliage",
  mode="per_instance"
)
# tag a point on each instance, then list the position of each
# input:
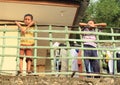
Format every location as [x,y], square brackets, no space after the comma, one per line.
[104,11]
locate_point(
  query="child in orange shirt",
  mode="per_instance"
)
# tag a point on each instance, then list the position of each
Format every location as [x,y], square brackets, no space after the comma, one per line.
[24,41]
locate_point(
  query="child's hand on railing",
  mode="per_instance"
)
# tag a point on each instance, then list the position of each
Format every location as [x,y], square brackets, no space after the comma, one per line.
[23,30]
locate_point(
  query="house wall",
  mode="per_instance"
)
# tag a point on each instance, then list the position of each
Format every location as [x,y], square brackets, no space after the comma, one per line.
[7,63]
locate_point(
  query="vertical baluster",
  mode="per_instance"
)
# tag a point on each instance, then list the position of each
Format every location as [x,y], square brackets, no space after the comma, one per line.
[82,51]
[98,46]
[114,52]
[35,49]
[18,51]
[68,52]
[51,49]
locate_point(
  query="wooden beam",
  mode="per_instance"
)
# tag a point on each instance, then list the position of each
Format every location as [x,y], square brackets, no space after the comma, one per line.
[5,20]
[36,2]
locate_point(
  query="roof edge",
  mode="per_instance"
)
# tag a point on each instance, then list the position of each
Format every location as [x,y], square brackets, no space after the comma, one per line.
[50,3]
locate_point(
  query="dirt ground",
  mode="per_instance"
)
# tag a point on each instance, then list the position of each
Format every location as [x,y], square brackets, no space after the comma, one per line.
[50,80]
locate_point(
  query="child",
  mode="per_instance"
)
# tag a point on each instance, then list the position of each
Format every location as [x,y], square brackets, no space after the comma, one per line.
[91,65]
[24,41]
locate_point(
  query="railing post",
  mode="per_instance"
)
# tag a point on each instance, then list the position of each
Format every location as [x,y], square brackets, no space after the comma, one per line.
[51,50]
[18,50]
[82,52]
[35,49]
[114,53]
[98,46]
[68,50]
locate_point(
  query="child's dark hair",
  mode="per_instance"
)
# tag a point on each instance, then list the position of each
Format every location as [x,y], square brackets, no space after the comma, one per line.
[92,20]
[29,15]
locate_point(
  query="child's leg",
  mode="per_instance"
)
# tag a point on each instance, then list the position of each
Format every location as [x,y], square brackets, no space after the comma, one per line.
[21,60]
[87,61]
[95,63]
[21,64]
[29,60]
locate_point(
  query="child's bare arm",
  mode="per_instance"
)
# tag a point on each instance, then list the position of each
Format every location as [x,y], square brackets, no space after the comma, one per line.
[32,23]
[20,27]
[101,24]
[83,24]
[18,24]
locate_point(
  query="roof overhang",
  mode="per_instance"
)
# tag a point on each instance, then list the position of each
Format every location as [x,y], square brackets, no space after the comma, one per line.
[44,12]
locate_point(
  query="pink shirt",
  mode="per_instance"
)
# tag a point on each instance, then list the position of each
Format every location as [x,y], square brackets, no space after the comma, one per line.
[89,38]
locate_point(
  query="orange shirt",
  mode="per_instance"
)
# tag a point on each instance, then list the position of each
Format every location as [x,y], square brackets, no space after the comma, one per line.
[28,37]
